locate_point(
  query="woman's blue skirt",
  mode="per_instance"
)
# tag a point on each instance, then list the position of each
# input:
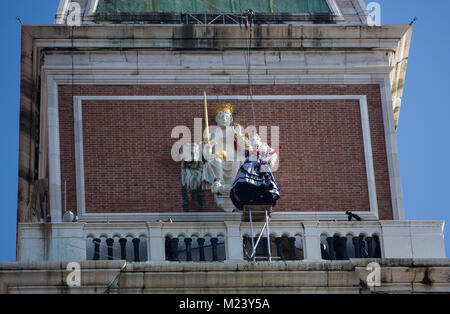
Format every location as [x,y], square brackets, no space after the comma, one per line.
[254,187]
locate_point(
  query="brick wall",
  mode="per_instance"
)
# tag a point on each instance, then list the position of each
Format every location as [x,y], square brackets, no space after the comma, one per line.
[127,144]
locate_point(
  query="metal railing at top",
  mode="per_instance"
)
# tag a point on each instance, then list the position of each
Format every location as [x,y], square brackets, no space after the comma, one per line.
[212,18]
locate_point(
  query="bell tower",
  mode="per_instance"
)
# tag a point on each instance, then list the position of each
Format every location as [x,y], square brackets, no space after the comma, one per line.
[114,89]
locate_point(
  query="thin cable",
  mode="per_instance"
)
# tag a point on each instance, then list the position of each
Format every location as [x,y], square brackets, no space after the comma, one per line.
[249,74]
[249,64]
[73,65]
[71,102]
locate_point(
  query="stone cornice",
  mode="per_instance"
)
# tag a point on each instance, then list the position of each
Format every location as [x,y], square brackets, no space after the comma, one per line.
[397,276]
[222,36]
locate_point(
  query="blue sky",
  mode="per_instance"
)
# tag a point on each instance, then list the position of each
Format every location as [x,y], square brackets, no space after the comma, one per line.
[423,134]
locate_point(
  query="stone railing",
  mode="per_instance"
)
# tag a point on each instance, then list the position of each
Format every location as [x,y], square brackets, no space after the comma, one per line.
[229,241]
[116,242]
[195,248]
[344,248]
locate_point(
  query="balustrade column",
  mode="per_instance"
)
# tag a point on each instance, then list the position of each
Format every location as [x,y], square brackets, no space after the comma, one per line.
[174,249]
[292,254]
[324,252]
[331,250]
[362,247]
[279,243]
[123,248]
[369,241]
[265,246]
[168,249]
[109,244]
[356,247]
[136,242]
[245,245]
[96,249]
[344,241]
[188,242]
[214,249]
[340,244]
[337,245]
[201,248]
[377,253]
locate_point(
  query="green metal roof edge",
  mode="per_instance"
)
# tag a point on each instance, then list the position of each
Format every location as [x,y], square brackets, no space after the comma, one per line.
[212,6]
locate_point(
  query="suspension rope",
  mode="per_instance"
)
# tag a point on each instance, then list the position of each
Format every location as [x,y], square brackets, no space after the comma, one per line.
[73,63]
[249,27]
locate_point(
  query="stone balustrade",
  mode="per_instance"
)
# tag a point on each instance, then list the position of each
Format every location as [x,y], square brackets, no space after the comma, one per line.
[338,247]
[117,248]
[229,241]
[195,248]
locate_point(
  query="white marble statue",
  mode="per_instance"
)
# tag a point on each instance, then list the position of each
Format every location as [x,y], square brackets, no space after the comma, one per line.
[223,159]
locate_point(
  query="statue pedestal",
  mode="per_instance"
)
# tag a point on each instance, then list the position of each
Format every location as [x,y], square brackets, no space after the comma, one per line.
[224,202]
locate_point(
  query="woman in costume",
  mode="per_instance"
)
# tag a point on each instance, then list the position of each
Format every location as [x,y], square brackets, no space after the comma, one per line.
[254,183]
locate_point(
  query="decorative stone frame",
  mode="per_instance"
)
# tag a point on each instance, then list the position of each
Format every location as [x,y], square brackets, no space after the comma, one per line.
[79,156]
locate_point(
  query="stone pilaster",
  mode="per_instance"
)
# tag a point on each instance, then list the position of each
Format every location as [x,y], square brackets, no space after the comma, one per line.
[155,243]
[312,241]
[233,241]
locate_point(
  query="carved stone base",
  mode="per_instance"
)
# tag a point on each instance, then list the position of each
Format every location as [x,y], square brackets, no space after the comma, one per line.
[225,203]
